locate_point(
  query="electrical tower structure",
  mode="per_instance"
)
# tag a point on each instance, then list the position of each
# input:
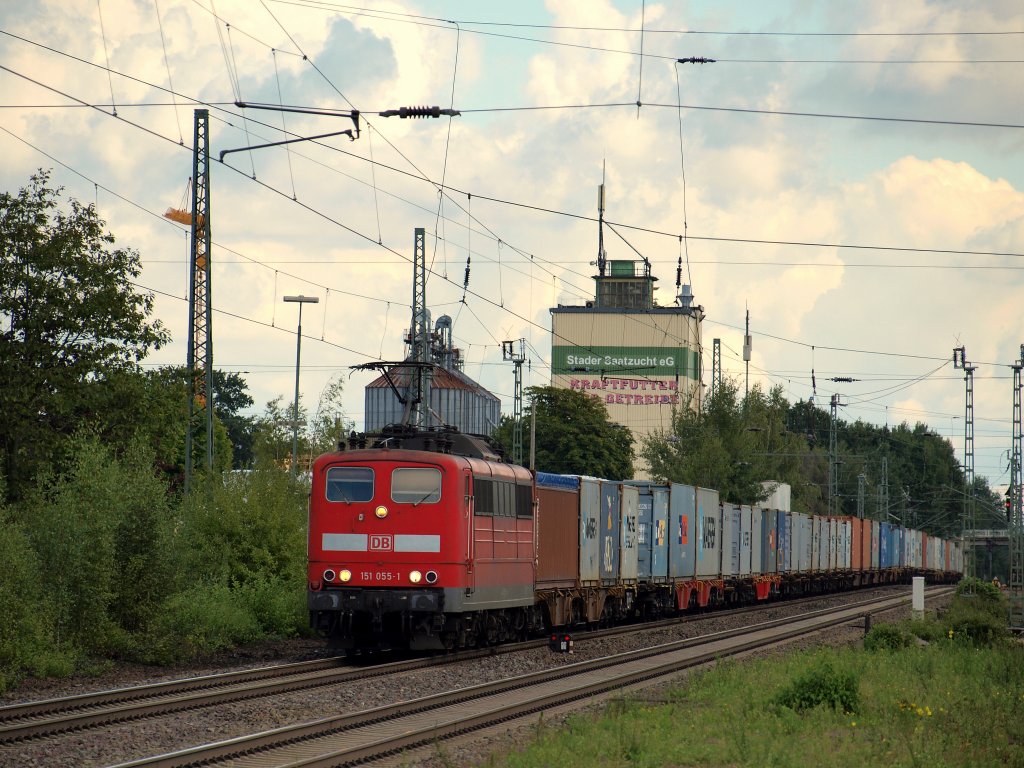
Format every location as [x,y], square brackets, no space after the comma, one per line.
[199,359]
[515,351]
[960,361]
[883,491]
[861,483]
[417,407]
[1016,521]
[833,458]
[747,345]
[716,365]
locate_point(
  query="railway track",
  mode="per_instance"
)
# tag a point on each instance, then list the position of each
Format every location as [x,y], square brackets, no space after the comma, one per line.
[40,718]
[388,730]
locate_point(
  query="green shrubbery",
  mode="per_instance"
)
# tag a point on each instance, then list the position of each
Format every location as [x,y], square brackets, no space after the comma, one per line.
[102,563]
[939,704]
[887,637]
[822,685]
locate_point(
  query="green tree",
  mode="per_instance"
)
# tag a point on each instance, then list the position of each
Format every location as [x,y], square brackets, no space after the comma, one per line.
[230,399]
[69,320]
[101,531]
[272,433]
[732,445]
[573,435]
[330,424]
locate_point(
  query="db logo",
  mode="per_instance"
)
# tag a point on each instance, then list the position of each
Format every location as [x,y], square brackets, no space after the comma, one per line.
[382,543]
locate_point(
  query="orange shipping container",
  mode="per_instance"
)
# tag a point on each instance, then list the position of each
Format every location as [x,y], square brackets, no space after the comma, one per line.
[858,543]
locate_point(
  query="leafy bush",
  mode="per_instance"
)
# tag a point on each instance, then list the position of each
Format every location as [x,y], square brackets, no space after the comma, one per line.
[245,529]
[24,620]
[99,531]
[975,623]
[928,630]
[279,608]
[823,685]
[986,590]
[978,613]
[199,621]
[886,637]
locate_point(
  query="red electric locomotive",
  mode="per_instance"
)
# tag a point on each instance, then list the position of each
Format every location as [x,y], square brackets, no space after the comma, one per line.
[421,539]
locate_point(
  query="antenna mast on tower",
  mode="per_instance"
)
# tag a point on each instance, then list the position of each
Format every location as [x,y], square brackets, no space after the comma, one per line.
[600,226]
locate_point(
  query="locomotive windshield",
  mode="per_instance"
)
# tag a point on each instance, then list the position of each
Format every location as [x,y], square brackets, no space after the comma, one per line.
[416,485]
[349,484]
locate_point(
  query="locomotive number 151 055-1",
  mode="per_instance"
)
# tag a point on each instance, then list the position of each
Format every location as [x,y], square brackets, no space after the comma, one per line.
[381,576]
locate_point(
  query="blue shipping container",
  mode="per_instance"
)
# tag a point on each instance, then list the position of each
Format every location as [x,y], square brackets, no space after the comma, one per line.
[682,531]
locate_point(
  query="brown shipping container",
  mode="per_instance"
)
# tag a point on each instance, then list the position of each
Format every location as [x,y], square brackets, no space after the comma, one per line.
[857,548]
[558,537]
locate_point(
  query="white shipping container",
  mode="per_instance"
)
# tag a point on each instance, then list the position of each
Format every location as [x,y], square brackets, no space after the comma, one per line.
[780,496]
[847,549]
[629,551]
[875,550]
[806,537]
[746,540]
[756,521]
[833,544]
[816,544]
[730,540]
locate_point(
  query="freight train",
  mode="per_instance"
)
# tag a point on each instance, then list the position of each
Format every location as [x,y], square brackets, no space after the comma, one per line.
[429,540]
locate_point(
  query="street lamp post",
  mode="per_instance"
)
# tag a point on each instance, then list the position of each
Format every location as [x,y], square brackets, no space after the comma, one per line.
[300,300]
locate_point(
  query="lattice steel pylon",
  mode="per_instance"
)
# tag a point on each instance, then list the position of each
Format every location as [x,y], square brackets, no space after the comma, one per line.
[716,365]
[509,351]
[1016,521]
[418,404]
[960,361]
[199,359]
[833,458]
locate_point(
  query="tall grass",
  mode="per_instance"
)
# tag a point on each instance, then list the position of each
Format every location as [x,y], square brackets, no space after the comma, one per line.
[953,699]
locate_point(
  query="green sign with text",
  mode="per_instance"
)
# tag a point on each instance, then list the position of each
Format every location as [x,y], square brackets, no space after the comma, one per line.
[628,362]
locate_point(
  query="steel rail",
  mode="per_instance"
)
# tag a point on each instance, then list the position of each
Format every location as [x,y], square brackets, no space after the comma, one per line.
[357,737]
[34,719]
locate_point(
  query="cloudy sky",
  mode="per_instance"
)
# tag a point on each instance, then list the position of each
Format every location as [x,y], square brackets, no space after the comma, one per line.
[851,173]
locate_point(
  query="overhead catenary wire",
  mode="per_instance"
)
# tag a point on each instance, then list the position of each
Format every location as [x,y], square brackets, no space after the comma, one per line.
[549,210]
[361,235]
[435,22]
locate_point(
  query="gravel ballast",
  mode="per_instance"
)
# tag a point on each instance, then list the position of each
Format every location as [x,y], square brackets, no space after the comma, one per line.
[132,740]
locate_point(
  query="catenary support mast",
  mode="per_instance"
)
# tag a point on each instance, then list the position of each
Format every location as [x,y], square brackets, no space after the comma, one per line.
[1016,521]
[200,326]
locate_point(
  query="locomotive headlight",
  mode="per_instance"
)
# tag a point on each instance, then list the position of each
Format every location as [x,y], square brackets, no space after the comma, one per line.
[345,574]
[328,575]
[381,512]
[415,577]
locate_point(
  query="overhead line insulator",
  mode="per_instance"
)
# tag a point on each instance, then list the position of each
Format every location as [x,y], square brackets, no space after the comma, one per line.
[404,112]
